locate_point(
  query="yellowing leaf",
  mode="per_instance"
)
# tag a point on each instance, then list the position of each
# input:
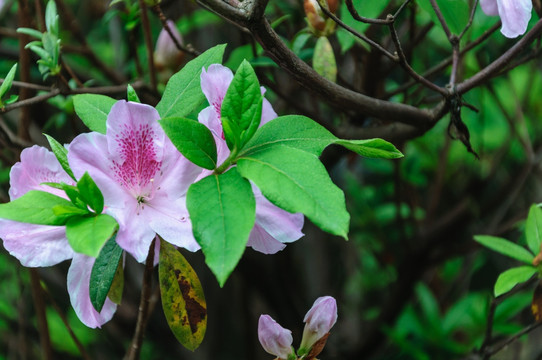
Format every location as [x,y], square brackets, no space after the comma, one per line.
[182,297]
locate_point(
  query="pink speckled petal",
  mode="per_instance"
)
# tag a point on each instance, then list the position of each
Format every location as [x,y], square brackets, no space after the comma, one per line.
[214,84]
[35,245]
[37,165]
[515,16]
[78,288]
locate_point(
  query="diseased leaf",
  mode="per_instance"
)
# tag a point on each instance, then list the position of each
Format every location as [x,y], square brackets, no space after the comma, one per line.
[183,91]
[35,207]
[323,60]
[61,154]
[282,174]
[88,234]
[117,286]
[183,300]
[93,110]
[505,247]
[103,272]
[193,139]
[511,277]
[222,210]
[536,304]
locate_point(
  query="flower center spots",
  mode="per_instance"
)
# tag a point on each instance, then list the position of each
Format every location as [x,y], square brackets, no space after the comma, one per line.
[138,168]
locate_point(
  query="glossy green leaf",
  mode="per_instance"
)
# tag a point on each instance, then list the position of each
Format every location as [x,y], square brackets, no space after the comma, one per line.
[88,234]
[511,277]
[8,81]
[103,272]
[371,148]
[297,181]
[222,210]
[131,94]
[90,193]
[323,60]
[193,139]
[533,229]
[183,300]
[35,207]
[61,154]
[505,247]
[242,104]
[183,91]
[93,110]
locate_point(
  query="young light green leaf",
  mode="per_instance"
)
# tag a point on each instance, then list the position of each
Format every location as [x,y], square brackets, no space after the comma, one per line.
[87,234]
[51,17]
[505,247]
[193,139]
[35,207]
[183,91]
[533,229]
[131,94]
[90,193]
[103,272]
[323,60]
[222,210]
[242,104]
[61,154]
[30,32]
[93,110]
[183,300]
[68,212]
[371,148]
[281,174]
[8,81]
[511,277]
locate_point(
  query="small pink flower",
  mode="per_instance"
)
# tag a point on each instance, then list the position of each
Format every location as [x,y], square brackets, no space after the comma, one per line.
[515,14]
[274,227]
[319,320]
[275,339]
[42,245]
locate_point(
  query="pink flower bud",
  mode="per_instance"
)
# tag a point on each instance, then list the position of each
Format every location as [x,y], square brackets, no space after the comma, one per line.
[275,339]
[318,321]
[166,54]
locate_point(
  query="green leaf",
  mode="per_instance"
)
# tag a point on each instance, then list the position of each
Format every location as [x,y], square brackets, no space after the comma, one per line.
[533,229]
[456,13]
[93,110]
[51,17]
[242,104]
[8,81]
[90,193]
[183,91]
[223,210]
[87,235]
[182,296]
[505,247]
[193,139]
[117,287]
[371,148]
[323,60]
[61,154]
[103,272]
[68,212]
[31,32]
[297,181]
[35,207]
[131,94]
[511,277]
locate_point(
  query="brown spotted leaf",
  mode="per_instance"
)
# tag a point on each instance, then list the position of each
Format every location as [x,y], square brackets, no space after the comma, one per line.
[536,305]
[182,297]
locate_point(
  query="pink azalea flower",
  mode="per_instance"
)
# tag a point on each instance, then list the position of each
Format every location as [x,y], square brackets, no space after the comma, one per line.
[515,14]
[275,339]
[42,245]
[274,227]
[143,178]
[319,320]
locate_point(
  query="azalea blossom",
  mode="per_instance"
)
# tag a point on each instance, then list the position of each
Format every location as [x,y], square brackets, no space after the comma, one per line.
[143,178]
[319,320]
[275,339]
[273,227]
[515,14]
[43,245]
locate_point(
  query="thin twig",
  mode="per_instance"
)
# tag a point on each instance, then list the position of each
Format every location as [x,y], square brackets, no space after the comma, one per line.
[142,316]
[187,49]
[37,295]
[363,19]
[440,17]
[148,42]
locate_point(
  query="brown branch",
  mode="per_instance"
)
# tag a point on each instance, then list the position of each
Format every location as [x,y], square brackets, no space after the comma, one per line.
[37,295]
[148,42]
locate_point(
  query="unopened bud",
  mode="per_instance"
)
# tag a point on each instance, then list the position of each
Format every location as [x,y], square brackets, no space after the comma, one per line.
[166,53]
[318,321]
[275,339]
[317,20]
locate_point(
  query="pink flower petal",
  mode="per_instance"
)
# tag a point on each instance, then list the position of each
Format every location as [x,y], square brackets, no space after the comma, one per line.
[489,7]
[515,16]
[261,241]
[214,84]
[78,288]
[35,245]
